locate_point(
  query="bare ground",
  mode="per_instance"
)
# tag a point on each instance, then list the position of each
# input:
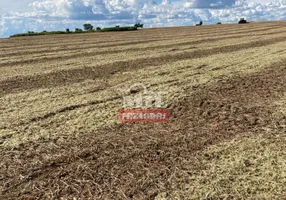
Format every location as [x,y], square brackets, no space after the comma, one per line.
[210,149]
[138,160]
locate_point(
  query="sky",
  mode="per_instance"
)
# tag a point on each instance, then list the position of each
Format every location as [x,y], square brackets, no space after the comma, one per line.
[19,16]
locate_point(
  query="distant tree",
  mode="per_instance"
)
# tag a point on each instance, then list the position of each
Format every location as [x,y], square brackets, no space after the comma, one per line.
[117,26]
[200,24]
[67,30]
[138,25]
[98,29]
[78,30]
[87,27]
[219,23]
[242,21]
[31,32]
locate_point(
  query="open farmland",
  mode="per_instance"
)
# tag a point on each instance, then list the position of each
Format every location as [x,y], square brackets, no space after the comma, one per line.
[60,136]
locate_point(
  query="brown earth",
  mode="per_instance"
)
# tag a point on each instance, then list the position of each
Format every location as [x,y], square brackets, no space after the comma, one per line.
[137,160]
[145,160]
[76,75]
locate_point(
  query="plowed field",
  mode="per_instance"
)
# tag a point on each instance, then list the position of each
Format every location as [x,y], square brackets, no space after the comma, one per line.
[60,98]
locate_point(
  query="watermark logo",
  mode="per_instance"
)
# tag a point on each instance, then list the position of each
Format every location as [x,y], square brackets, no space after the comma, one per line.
[143,105]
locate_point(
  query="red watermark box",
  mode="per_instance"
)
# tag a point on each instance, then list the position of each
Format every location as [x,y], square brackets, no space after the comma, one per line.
[144,115]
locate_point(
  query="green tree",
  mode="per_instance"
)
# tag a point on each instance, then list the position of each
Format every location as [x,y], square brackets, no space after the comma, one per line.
[200,24]
[242,21]
[138,25]
[78,30]
[87,27]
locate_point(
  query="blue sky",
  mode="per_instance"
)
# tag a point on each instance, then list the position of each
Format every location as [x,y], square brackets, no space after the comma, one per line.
[18,16]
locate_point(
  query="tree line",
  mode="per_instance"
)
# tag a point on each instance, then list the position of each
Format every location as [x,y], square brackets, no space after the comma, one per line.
[87,28]
[90,28]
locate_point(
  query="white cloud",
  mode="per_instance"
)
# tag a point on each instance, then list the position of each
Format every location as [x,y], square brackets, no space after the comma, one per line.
[61,14]
[210,3]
